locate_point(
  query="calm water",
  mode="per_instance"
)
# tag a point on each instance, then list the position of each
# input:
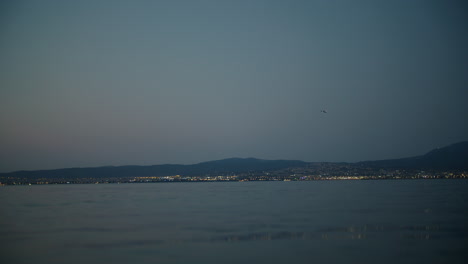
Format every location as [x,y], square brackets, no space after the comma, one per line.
[419,221]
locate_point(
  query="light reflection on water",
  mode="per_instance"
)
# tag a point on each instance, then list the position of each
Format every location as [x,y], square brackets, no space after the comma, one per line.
[256,222]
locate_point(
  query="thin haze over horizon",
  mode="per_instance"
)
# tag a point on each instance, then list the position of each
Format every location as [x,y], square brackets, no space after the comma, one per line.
[96,83]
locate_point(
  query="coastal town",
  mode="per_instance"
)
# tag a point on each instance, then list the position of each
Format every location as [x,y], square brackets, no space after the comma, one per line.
[315,172]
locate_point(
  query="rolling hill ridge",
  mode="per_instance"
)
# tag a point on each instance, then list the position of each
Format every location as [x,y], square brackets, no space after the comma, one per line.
[453,157]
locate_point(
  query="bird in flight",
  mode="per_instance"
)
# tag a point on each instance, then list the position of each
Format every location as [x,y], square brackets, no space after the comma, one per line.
[323,111]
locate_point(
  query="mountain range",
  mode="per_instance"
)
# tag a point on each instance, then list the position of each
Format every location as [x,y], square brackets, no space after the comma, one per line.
[453,157]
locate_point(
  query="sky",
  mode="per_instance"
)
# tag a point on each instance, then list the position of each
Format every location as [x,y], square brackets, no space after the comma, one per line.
[98,83]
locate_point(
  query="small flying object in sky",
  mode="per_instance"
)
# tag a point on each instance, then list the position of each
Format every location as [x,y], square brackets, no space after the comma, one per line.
[323,111]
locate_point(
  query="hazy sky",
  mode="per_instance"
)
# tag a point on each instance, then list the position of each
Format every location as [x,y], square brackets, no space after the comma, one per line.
[92,83]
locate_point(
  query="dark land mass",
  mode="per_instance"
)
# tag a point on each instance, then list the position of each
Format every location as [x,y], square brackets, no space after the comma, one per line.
[447,160]
[225,166]
[451,157]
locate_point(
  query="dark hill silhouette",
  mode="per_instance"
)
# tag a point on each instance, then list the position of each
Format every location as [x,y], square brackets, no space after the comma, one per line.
[225,166]
[243,165]
[454,156]
[451,157]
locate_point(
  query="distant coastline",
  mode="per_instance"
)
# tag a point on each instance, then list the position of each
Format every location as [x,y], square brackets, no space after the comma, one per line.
[450,162]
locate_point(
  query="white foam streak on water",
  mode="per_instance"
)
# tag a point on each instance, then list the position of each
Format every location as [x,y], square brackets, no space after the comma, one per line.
[419,221]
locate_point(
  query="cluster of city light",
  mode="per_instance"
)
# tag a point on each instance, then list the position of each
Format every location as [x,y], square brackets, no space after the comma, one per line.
[261,176]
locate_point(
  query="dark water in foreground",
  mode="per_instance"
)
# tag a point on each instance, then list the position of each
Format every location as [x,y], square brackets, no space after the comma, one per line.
[418,221]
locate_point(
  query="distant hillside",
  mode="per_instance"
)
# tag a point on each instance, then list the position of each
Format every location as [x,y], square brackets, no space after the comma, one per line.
[451,157]
[225,166]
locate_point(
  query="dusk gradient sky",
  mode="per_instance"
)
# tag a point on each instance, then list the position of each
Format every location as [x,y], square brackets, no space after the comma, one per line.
[94,83]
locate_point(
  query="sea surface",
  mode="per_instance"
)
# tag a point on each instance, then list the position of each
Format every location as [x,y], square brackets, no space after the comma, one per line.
[380,221]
